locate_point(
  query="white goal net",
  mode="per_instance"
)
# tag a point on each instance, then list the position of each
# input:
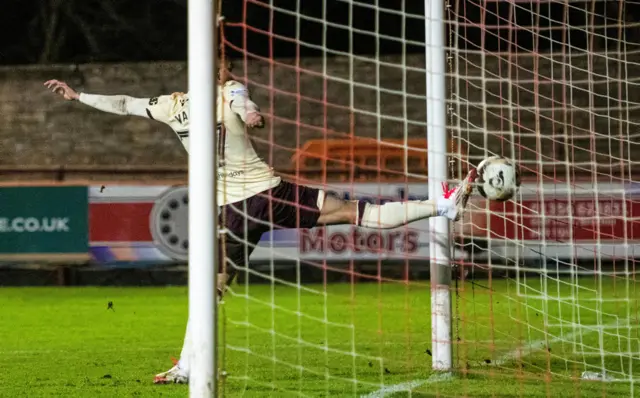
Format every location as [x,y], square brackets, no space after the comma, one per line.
[544,291]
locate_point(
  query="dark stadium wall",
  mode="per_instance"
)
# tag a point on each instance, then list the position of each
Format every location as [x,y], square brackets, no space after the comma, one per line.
[37,128]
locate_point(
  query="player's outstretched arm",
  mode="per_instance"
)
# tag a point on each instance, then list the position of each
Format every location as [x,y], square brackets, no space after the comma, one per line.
[118,104]
[242,105]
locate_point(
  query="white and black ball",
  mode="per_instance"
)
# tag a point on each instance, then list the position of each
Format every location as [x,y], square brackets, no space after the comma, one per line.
[498,178]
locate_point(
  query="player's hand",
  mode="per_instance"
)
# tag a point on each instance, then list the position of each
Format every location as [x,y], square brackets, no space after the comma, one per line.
[254,119]
[62,89]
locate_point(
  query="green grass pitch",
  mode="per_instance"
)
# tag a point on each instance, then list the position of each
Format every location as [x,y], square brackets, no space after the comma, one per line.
[281,341]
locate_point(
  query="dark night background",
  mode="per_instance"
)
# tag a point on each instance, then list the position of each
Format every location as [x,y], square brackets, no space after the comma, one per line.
[80,31]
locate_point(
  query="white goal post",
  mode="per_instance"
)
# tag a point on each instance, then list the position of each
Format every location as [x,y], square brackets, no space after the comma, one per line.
[203,214]
[437,139]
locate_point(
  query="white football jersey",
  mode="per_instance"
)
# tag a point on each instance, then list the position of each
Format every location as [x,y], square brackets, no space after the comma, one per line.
[241,172]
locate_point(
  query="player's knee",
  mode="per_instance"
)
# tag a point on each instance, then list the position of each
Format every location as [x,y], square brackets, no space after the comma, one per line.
[342,212]
[350,212]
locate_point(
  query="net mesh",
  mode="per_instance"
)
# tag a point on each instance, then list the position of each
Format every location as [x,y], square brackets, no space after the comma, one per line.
[544,291]
[552,84]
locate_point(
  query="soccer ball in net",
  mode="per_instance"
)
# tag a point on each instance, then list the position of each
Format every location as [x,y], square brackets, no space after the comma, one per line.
[498,178]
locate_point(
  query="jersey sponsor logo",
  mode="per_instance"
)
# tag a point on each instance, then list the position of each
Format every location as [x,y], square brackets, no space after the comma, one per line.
[230,174]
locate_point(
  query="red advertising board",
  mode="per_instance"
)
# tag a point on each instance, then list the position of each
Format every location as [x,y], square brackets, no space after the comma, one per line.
[549,219]
[562,220]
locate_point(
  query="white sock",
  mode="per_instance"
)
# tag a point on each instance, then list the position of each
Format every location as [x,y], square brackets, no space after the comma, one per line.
[185,355]
[395,214]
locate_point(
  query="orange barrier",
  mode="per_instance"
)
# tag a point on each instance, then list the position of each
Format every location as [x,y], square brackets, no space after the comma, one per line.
[363,158]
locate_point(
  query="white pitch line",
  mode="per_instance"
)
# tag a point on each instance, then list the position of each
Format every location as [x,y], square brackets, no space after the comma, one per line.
[537,345]
[407,386]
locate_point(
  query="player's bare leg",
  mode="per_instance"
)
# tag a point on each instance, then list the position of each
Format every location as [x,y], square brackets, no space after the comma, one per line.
[394,214]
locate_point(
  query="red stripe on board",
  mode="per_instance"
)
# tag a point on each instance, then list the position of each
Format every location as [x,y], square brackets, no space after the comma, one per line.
[119,222]
[563,221]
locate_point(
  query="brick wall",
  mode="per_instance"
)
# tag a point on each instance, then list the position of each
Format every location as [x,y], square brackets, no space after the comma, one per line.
[576,108]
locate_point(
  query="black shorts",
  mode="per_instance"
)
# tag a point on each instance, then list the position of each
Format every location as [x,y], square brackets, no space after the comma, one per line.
[286,206]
